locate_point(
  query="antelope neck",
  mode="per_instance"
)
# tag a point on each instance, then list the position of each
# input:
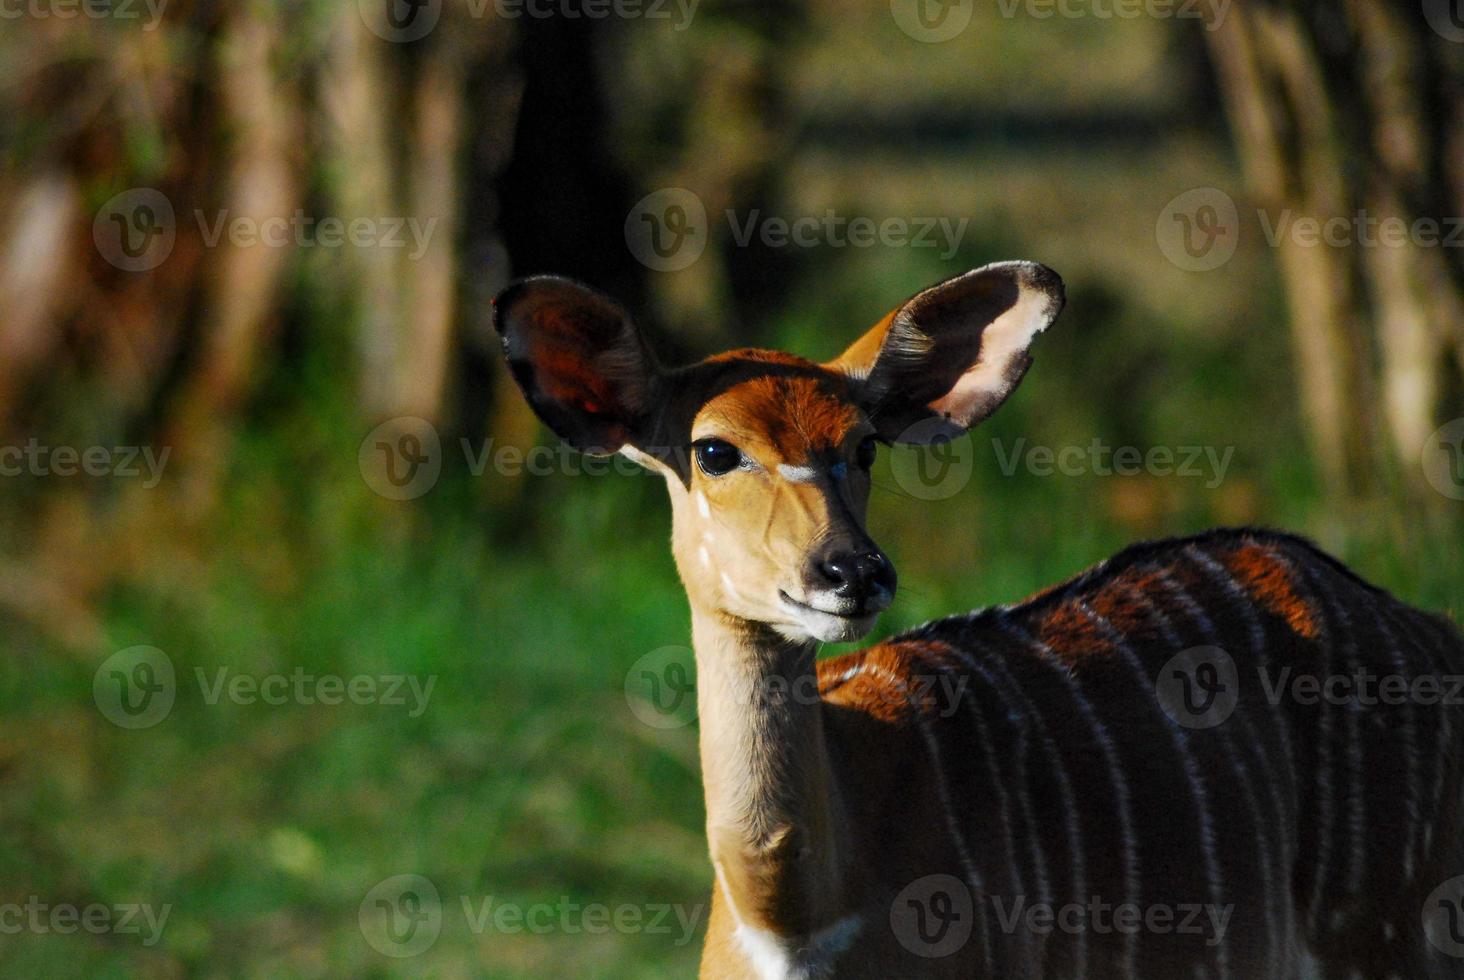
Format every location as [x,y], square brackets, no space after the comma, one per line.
[772,803]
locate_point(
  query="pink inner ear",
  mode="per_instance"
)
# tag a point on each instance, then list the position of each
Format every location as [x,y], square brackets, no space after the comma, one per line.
[968,394]
[1003,357]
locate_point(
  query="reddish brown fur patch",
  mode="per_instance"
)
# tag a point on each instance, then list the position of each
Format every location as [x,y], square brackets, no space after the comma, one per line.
[759,354]
[1116,603]
[566,351]
[869,691]
[795,415]
[1145,583]
[884,686]
[1267,577]
[1071,634]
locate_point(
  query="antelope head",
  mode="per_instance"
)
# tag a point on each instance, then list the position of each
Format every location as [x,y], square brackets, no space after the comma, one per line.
[766,454]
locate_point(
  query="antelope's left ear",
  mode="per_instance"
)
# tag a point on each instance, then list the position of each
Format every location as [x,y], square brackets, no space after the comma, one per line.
[953,352]
[580,361]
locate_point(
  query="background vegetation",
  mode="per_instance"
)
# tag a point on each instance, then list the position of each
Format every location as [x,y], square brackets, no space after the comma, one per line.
[265,547]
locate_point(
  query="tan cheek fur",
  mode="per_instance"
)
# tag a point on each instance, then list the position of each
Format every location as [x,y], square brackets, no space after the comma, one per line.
[737,544]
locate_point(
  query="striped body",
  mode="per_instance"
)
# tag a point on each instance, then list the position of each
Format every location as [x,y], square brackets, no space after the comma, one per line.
[1034,761]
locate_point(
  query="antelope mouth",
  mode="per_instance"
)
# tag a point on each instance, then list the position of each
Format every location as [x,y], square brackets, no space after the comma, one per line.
[844,608]
[848,621]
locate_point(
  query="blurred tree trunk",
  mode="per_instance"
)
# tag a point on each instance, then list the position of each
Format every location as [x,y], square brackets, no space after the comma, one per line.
[394,127]
[1351,111]
[34,266]
[257,112]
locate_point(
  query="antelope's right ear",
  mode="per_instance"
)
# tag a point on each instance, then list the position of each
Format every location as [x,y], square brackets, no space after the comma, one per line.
[950,355]
[579,360]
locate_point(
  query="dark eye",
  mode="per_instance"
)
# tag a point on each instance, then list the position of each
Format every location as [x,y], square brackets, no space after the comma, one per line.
[716,457]
[864,455]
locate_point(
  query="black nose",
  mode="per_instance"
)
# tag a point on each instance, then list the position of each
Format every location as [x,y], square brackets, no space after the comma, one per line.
[856,574]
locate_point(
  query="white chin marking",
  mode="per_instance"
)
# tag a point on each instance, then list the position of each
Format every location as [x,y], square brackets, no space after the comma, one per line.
[808,621]
[810,624]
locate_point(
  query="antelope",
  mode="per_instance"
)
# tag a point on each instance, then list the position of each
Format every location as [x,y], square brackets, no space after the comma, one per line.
[1047,789]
